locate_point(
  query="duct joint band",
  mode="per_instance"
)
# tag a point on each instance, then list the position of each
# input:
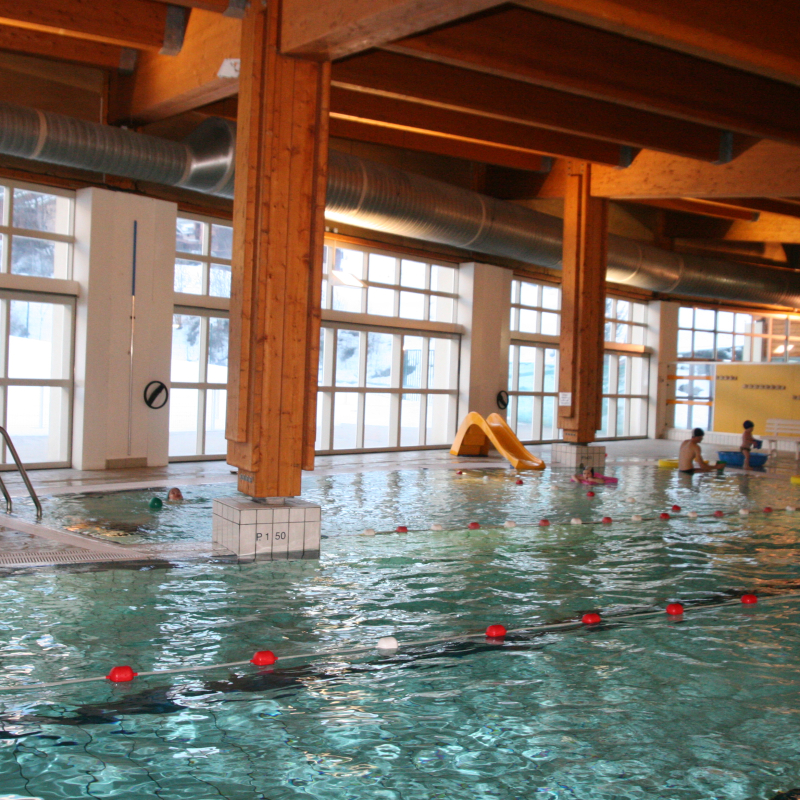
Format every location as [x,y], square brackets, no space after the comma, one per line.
[681,265]
[187,170]
[482,225]
[42,137]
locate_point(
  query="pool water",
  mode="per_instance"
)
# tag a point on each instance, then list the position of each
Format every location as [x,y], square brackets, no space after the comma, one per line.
[703,706]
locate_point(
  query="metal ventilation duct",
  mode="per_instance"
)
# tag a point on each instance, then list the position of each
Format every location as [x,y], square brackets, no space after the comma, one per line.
[378,197]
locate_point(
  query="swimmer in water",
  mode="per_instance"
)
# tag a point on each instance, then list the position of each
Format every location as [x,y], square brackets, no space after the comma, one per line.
[175,494]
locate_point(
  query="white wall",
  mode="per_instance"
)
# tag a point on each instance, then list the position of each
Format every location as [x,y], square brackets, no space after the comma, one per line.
[483,309]
[111,429]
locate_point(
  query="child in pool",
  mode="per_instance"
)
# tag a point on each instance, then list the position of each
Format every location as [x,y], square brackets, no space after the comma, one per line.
[748,442]
[587,476]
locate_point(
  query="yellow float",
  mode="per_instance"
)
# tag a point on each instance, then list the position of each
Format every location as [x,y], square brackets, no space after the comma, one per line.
[668,463]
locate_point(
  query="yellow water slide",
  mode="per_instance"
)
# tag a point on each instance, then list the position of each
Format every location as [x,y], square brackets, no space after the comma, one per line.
[476,435]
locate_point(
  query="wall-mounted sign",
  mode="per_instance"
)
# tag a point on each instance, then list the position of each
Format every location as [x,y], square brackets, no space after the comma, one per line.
[565,398]
[156,394]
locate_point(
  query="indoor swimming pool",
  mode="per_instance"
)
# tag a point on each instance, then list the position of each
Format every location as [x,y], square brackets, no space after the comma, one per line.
[701,706]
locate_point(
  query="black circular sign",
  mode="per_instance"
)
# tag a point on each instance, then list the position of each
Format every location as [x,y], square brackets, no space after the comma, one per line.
[156,394]
[502,399]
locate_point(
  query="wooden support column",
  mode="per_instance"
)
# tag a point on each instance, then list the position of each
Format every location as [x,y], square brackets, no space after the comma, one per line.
[582,307]
[278,224]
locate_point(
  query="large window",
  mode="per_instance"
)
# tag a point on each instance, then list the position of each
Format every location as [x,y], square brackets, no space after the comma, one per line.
[364,281]
[533,360]
[200,338]
[625,395]
[713,335]
[533,378]
[203,257]
[393,382]
[199,384]
[35,231]
[36,376]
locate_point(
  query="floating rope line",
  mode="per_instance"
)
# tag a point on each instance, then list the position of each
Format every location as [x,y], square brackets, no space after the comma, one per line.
[663,516]
[535,630]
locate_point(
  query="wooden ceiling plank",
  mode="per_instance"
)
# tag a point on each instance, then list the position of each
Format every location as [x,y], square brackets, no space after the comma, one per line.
[61,48]
[705,208]
[454,87]
[785,207]
[339,28]
[414,116]
[164,86]
[574,58]
[767,170]
[753,38]
[768,228]
[218,6]
[422,141]
[127,23]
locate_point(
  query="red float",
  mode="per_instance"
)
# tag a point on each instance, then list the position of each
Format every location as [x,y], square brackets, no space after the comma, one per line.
[495,632]
[459,472]
[473,526]
[719,513]
[519,481]
[544,523]
[767,509]
[674,609]
[663,515]
[607,520]
[121,674]
[676,508]
[401,529]
[749,599]
[592,618]
[263,658]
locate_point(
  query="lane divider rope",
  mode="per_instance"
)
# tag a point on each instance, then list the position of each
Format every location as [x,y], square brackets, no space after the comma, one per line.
[455,637]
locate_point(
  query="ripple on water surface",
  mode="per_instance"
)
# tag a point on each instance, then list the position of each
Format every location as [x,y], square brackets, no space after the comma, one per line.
[703,707]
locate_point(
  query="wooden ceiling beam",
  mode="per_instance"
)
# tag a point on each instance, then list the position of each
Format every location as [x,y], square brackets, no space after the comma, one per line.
[164,86]
[767,170]
[753,38]
[404,115]
[786,207]
[233,8]
[139,24]
[65,48]
[574,58]
[705,208]
[427,142]
[447,86]
[768,228]
[339,28]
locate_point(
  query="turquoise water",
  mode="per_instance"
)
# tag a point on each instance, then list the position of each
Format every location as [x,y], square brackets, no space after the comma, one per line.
[702,707]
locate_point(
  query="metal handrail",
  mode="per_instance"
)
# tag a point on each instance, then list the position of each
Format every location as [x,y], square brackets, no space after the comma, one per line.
[23,473]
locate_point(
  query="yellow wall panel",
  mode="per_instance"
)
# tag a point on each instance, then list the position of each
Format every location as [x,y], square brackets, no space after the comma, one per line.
[757,392]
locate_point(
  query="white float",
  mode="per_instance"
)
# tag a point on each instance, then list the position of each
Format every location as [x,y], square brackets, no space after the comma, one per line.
[509,523]
[368,532]
[692,515]
[790,508]
[743,512]
[630,499]
[636,518]
[387,644]
[436,527]
[576,521]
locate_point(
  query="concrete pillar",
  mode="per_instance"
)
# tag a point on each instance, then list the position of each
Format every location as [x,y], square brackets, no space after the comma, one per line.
[112,425]
[483,309]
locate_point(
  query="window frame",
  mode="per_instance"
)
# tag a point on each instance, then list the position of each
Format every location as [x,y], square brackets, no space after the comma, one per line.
[205,258]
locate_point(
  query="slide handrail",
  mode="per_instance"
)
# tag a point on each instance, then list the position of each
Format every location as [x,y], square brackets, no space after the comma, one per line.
[23,472]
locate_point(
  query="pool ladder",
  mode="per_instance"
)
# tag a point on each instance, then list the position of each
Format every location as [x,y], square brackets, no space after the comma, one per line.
[22,472]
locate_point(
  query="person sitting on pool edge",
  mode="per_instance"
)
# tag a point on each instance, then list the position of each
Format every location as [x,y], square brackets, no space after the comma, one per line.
[748,442]
[175,494]
[690,452]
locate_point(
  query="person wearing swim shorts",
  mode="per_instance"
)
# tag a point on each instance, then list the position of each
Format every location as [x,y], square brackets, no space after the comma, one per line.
[748,442]
[690,453]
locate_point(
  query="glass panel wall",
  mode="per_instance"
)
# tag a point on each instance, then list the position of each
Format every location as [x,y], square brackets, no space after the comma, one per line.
[36,377]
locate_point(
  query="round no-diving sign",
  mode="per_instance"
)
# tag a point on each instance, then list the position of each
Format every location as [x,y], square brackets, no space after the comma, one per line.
[156,394]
